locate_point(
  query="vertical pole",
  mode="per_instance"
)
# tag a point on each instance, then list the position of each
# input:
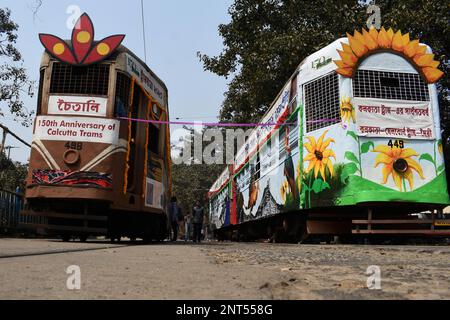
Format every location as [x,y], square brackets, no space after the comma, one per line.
[2,146]
[433,219]
[143,30]
[369,218]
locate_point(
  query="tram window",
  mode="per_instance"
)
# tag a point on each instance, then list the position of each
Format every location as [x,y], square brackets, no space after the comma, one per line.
[93,79]
[293,95]
[41,86]
[389,82]
[153,139]
[281,144]
[380,85]
[322,102]
[123,84]
[287,134]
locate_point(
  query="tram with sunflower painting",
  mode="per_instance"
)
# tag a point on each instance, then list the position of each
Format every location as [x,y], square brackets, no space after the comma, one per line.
[357,148]
[93,169]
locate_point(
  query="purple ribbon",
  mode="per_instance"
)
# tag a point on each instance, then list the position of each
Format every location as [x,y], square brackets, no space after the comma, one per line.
[219,124]
[213,124]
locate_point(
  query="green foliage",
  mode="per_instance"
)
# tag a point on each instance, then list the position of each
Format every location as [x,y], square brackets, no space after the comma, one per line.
[348,170]
[267,39]
[12,174]
[427,157]
[192,179]
[14,80]
[291,203]
[351,156]
[319,185]
[353,135]
[191,183]
[365,147]
[324,193]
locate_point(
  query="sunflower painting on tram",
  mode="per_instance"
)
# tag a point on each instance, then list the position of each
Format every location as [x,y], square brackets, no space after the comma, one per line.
[363,44]
[319,156]
[399,164]
[347,110]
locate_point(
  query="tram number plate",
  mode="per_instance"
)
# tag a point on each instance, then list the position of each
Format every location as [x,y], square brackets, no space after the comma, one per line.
[73,145]
[397,144]
[442,223]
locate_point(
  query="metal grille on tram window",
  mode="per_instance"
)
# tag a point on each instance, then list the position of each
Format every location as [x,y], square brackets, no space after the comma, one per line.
[390,85]
[292,138]
[322,102]
[123,84]
[93,79]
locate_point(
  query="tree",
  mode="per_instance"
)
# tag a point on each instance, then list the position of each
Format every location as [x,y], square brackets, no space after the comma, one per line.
[267,39]
[193,179]
[12,174]
[13,78]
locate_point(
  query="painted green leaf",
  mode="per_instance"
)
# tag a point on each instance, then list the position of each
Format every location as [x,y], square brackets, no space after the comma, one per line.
[353,135]
[348,170]
[441,167]
[351,156]
[366,147]
[319,185]
[290,202]
[426,157]
[305,187]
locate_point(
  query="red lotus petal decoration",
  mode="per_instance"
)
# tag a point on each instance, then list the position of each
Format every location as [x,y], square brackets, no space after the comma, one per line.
[57,48]
[82,37]
[83,51]
[104,48]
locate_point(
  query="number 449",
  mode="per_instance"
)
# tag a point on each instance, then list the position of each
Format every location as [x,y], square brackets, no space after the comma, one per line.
[397,144]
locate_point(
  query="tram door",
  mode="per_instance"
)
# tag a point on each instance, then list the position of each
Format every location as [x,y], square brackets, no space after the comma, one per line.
[138,107]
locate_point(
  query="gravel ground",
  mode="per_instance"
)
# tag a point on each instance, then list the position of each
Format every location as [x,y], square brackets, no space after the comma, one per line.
[36,269]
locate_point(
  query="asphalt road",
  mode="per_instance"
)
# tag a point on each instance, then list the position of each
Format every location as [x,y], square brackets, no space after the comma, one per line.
[37,269]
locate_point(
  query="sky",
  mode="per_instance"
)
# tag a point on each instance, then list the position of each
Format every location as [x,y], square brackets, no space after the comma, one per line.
[175,31]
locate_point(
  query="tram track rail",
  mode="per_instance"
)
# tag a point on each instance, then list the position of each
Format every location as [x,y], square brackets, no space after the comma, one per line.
[60,251]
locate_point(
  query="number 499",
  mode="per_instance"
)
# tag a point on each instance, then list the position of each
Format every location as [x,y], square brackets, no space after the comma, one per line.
[397,144]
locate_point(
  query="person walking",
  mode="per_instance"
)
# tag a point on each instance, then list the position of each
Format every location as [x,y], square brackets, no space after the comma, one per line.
[187,226]
[198,214]
[174,213]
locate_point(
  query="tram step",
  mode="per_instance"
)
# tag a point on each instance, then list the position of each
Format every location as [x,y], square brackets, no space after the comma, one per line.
[64,215]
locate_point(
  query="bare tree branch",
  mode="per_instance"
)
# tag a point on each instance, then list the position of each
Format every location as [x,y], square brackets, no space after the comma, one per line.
[35,9]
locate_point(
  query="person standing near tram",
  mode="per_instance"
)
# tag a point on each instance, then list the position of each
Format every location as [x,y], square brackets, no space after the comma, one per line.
[174,215]
[198,213]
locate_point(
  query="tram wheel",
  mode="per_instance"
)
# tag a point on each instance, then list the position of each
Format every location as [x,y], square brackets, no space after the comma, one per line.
[83,238]
[66,238]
